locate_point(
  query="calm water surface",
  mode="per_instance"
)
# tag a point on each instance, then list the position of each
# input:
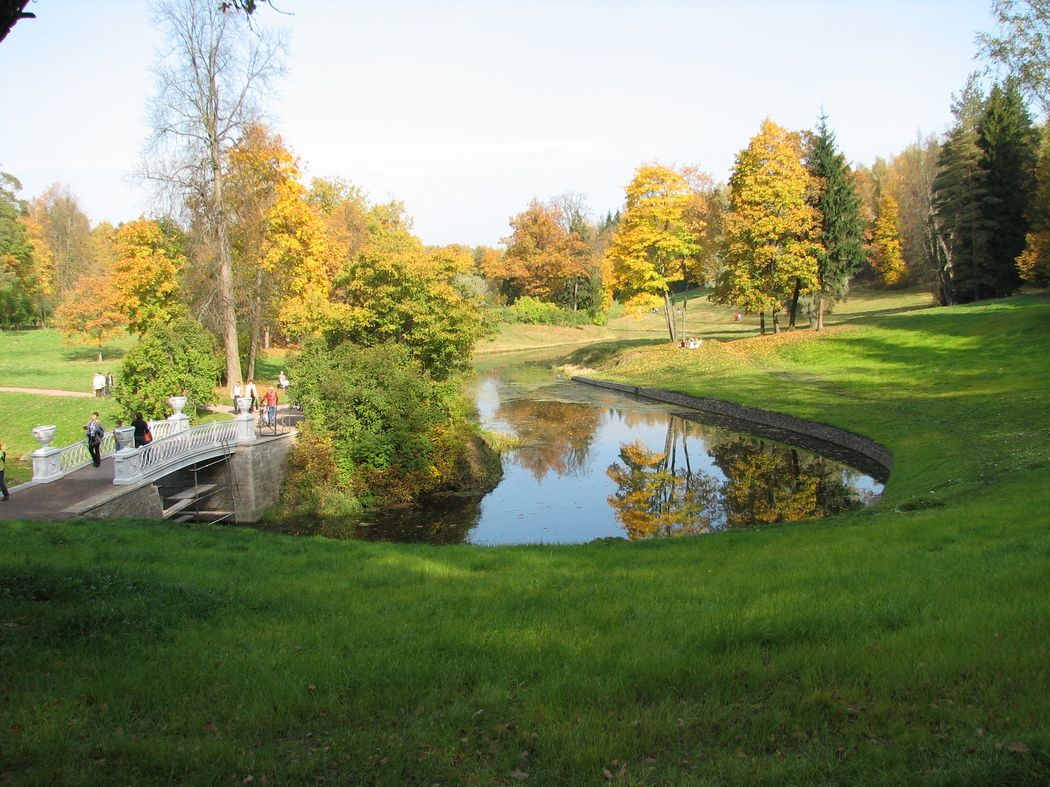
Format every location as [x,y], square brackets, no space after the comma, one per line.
[592,463]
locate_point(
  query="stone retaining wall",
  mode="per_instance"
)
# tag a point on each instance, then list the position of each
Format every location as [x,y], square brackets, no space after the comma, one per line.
[853,449]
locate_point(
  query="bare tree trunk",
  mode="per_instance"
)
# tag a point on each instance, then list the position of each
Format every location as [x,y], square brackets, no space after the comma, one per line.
[669,315]
[685,304]
[794,303]
[762,323]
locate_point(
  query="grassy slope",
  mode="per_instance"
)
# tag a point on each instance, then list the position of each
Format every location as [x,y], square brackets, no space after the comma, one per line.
[905,644]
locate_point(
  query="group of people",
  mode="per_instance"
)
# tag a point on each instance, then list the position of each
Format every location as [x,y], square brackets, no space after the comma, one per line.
[102,384]
[269,398]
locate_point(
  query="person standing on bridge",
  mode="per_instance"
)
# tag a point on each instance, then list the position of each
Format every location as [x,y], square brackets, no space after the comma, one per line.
[270,400]
[142,432]
[95,433]
[3,467]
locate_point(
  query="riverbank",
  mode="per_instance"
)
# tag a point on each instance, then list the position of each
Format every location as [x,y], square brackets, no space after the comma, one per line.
[902,644]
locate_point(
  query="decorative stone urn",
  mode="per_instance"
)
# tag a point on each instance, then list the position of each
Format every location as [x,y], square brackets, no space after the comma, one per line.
[124,435]
[179,418]
[44,434]
[243,403]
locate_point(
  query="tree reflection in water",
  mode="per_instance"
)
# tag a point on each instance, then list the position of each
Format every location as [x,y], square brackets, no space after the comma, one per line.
[660,494]
[555,436]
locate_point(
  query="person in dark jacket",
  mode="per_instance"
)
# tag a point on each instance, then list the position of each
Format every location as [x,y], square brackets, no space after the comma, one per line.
[142,432]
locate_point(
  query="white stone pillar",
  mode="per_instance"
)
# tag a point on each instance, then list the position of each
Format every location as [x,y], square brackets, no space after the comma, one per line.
[245,426]
[47,461]
[127,466]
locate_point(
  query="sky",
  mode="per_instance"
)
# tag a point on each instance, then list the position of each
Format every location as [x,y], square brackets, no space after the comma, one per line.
[466,110]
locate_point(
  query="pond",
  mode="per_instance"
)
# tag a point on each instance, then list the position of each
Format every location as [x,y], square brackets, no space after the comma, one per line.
[590,463]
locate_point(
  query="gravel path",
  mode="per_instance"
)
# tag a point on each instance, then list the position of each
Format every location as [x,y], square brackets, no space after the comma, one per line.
[46,392]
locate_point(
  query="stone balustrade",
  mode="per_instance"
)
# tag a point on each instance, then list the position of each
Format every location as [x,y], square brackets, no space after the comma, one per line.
[173,440]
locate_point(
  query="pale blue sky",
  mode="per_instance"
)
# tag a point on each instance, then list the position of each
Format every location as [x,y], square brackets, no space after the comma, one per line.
[467,109]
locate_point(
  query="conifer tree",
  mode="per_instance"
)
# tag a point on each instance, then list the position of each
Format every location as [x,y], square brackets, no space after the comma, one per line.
[1009,152]
[960,197]
[840,252]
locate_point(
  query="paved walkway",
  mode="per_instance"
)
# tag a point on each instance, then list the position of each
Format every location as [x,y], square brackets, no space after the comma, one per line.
[50,501]
[47,392]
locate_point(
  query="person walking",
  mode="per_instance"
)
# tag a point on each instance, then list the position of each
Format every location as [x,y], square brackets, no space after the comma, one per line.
[253,392]
[236,396]
[98,382]
[270,400]
[142,433]
[3,468]
[95,433]
[109,384]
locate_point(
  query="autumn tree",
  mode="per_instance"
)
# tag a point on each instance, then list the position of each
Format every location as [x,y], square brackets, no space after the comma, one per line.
[282,260]
[543,255]
[20,279]
[839,228]
[149,260]
[884,250]
[211,81]
[91,313]
[770,227]
[395,291]
[658,241]
[1034,263]
[65,232]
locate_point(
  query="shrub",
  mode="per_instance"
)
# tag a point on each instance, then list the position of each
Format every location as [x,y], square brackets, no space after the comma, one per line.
[177,359]
[530,311]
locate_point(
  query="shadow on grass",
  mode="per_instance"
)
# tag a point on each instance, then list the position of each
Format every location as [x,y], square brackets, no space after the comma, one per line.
[110,354]
[605,353]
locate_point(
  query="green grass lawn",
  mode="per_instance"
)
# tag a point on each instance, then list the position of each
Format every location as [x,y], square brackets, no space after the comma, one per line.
[903,644]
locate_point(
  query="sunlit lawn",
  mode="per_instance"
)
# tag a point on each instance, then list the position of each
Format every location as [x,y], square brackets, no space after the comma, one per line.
[903,644]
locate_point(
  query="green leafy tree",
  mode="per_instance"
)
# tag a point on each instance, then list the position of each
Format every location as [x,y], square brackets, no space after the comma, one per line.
[1022,44]
[178,358]
[840,227]
[395,291]
[393,429]
[770,227]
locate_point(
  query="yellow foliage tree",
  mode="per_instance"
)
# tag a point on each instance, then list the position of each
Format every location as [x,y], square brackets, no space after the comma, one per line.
[659,241]
[145,274]
[91,313]
[770,246]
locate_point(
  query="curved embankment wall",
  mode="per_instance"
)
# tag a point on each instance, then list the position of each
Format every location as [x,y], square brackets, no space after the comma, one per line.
[848,447]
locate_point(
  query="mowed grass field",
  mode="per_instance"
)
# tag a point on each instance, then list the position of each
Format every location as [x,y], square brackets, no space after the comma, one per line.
[903,644]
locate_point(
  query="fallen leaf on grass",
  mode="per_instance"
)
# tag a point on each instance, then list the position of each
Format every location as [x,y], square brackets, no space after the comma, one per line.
[1017,747]
[519,775]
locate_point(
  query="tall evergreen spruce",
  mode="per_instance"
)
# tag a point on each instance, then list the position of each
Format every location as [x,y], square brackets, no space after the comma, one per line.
[1009,144]
[959,199]
[840,225]
[983,187]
